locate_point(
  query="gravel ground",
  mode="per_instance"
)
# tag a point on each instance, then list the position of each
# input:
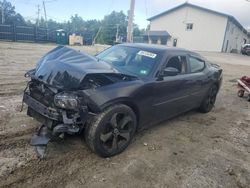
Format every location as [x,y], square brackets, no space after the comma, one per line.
[192,150]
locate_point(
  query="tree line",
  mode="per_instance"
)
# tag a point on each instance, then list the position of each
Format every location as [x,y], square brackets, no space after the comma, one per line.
[103,31]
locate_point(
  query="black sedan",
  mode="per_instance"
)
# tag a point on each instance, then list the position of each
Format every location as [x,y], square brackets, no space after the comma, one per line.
[123,89]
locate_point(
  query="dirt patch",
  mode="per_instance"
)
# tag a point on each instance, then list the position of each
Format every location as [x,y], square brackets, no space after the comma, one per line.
[192,150]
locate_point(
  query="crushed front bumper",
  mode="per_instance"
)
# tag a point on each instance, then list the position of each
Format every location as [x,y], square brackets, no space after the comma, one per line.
[35,109]
[54,122]
[43,110]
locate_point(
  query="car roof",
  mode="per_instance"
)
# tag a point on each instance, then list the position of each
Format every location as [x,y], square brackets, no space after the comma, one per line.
[159,48]
[154,47]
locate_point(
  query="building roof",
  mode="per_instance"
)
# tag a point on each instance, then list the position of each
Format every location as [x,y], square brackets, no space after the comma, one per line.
[230,17]
[157,33]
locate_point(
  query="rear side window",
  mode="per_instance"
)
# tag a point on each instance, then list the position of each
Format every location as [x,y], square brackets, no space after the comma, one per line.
[196,65]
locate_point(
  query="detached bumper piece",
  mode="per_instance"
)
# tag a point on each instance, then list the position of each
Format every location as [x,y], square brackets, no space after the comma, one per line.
[42,137]
[55,123]
[47,132]
[40,141]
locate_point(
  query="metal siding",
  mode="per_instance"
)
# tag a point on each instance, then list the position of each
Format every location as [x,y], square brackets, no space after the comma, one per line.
[208,28]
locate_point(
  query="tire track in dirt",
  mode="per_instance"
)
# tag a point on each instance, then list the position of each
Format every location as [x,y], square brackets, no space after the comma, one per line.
[39,171]
[15,140]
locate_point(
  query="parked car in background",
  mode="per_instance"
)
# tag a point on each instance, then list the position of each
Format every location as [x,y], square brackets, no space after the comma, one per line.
[245,49]
[121,90]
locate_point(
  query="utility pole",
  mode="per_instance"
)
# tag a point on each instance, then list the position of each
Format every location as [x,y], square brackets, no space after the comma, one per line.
[117,33]
[38,15]
[45,14]
[97,34]
[130,21]
[2,20]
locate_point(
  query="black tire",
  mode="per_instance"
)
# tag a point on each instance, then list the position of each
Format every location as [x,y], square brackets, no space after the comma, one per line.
[248,97]
[240,93]
[209,101]
[110,132]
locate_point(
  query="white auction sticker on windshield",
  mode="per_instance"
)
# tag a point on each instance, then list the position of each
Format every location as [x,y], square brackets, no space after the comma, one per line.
[147,54]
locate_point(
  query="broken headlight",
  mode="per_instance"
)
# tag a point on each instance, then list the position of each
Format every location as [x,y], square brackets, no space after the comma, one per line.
[66,100]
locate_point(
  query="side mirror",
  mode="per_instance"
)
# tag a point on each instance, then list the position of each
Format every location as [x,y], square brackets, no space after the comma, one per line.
[170,71]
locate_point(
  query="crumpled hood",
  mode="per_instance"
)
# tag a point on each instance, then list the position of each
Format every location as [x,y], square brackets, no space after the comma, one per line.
[66,68]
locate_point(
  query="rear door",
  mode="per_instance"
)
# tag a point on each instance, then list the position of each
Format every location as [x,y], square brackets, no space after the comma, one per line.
[198,79]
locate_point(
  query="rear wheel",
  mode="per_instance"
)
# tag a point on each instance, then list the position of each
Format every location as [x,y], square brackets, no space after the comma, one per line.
[209,101]
[240,93]
[248,97]
[111,131]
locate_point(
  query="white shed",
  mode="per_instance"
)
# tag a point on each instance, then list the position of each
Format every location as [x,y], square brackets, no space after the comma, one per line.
[197,28]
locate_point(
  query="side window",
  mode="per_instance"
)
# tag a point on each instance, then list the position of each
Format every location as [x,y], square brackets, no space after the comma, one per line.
[196,65]
[178,62]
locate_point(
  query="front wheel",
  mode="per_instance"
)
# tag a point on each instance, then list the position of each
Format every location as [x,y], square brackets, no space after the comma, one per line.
[110,132]
[208,103]
[240,93]
[248,97]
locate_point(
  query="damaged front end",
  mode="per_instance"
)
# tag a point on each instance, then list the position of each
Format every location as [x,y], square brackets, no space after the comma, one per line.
[59,113]
[53,95]
[56,94]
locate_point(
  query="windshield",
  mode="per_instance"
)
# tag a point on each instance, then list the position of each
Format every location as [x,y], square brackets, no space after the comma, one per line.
[128,59]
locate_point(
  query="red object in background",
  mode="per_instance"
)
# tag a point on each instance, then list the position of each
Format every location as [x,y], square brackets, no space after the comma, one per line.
[244,87]
[245,79]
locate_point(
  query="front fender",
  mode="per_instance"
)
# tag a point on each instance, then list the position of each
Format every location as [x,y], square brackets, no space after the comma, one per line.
[100,98]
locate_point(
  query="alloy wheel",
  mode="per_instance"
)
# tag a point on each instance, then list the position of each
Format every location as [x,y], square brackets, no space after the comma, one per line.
[117,132]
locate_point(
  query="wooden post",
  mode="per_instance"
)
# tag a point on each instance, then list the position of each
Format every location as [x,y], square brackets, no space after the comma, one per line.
[35,33]
[14,32]
[130,21]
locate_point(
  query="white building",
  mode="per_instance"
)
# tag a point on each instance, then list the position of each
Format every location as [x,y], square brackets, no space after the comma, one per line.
[197,28]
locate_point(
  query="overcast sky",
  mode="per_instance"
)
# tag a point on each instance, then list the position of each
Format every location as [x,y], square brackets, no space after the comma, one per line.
[61,10]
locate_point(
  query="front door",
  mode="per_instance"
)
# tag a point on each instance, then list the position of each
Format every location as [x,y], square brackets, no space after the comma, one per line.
[172,93]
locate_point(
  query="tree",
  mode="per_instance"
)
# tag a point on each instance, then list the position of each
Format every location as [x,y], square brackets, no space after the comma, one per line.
[77,24]
[9,14]
[137,31]
[109,27]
